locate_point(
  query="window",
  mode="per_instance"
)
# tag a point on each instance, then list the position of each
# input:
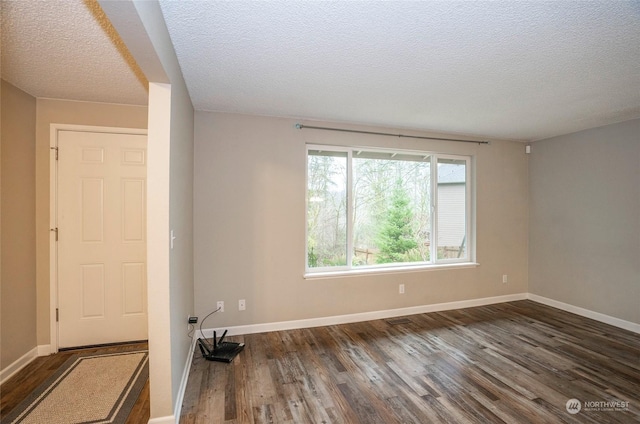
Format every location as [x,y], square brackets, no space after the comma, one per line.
[369,208]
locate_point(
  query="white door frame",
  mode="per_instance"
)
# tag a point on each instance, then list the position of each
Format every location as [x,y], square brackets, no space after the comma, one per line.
[53,207]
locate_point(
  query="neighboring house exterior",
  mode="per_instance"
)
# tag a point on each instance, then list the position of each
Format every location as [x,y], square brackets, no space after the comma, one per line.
[451,207]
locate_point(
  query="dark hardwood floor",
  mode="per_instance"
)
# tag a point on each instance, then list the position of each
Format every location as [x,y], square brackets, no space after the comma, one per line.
[18,387]
[518,362]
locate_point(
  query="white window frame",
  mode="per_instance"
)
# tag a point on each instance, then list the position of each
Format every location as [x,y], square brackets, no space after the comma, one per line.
[435,263]
[469,210]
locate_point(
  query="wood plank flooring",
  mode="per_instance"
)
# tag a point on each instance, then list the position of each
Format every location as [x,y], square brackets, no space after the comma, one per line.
[30,377]
[517,362]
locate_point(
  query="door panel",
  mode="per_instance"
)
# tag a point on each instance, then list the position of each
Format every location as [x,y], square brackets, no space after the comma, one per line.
[101,217]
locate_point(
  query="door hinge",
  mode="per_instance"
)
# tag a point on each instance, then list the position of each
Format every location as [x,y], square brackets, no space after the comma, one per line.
[57,315]
[56,150]
[55,230]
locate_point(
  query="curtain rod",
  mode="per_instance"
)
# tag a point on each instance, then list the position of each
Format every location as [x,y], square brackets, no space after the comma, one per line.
[300,126]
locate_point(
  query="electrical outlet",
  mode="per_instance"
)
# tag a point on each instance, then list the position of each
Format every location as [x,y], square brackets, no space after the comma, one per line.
[220,306]
[505,279]
[193,320]
[401,289]
[242,305]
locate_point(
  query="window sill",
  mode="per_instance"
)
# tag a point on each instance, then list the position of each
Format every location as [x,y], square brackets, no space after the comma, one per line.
[390,270]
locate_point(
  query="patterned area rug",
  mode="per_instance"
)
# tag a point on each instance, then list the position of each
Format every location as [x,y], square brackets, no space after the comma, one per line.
[86,389]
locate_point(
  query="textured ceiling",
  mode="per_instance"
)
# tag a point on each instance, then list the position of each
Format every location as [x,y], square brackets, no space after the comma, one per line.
[67,49]
[507,69]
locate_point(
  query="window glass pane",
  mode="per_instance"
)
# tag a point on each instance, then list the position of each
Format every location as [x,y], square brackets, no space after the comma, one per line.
[391,209]
[326,209]
[452,230]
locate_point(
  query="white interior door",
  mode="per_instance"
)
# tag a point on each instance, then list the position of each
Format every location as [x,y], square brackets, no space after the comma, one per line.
[101,220]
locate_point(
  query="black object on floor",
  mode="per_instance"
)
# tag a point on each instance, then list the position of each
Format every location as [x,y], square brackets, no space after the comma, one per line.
[222,351]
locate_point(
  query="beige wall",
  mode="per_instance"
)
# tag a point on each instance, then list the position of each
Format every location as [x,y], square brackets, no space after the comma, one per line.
[170,193]
[158,250]
[585,220]
[249,220]
[181,222]
[65,112]
[18,281]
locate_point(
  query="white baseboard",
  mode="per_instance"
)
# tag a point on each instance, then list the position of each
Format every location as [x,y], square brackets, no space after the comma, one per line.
[18,364]
[607,319]
[183,382]
[44,350]
[390,313]
[170,419]
[364,316]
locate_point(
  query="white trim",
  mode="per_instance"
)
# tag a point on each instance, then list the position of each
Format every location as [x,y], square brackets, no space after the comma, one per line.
[363,316]
[372,270]
[97,129]
[18,364]
[185,378]
[53,249]
[607,319]
[54,129]
[169,419]
[45,350]
[433,193]
[91,101]
[434,157]
[390,313]
[469,210]
[351,206]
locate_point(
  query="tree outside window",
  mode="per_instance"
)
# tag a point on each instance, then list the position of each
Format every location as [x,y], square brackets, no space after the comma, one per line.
[372,208]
